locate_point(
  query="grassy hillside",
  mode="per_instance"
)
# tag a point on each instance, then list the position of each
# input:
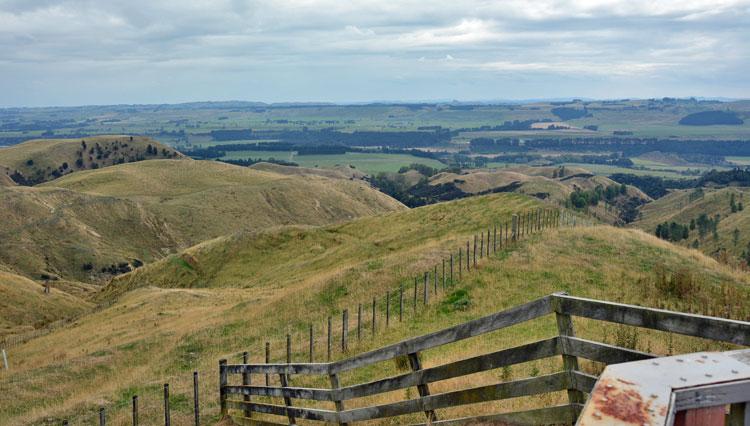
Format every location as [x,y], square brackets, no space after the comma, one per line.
[94,224]
[24,306]
[540,182]
[258,287]
[53,232]
[42,160]
[205,199]
[682,206]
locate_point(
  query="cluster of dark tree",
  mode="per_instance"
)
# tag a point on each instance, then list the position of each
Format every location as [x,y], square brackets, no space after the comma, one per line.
[424,170]
[708,118]
[736,177]
[250,161]
[629,147]
[396,139]
[567,113]
[705,224]
[653,186]
[580,199]
[672,231]
[417,195]
[116,269]
[734,206]
[219,151]
[507,125]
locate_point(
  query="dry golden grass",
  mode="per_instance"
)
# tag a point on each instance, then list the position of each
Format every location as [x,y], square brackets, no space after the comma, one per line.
[148,209]
[153,335]
[25,307]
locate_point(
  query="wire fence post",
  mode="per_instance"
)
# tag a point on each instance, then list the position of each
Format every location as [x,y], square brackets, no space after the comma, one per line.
[102,417]
[135,410]
[312,343]
[373,317]
[328,352]
[167,419]
[268,361]
[196,400]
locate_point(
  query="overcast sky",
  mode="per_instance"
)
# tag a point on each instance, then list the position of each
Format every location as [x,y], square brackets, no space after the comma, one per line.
[74,52]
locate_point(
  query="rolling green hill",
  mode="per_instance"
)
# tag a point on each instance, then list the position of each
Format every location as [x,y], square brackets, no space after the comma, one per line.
[231,294]
[94,224]
[543,183]
[42,160]
[684,206]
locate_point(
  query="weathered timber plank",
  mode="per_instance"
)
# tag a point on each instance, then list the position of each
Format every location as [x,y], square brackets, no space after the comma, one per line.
[507,318]
[290,392]
[280,410]
[732,331]
[517,355]
[555,415]
[297,368]
[525,387]
[600,352]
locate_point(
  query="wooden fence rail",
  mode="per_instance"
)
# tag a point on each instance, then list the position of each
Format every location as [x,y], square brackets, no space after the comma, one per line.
[566,345]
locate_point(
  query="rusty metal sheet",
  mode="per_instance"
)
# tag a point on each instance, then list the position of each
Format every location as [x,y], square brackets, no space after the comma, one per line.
[640,392]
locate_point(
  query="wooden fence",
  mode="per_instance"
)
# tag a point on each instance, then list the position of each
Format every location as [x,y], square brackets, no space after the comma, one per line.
[377,314]
[237,399]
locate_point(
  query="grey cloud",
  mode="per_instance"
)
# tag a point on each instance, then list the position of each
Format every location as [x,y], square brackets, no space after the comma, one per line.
[344,50]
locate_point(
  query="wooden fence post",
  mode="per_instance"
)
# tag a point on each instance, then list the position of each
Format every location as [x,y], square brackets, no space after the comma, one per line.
[445,278]
[460,264]
[451,268]
[311,339]
[468,256]
[196,400]
[494,240]
[514,229]
[284,379]
[345,331]
[288,349]
[481,246]
[359,322]
[424,390]
[5,360]
[268,360]
[426,297]
[328,352]
[531,221]
[135,410]
[520,226]
[506,235]
[387,308]
[373,317]
[102,417]
[222,387]
[414,301]
[334,379]
[435,281]
[167,416]
[475,251]
[570,362]
[245,382]
[538,219]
